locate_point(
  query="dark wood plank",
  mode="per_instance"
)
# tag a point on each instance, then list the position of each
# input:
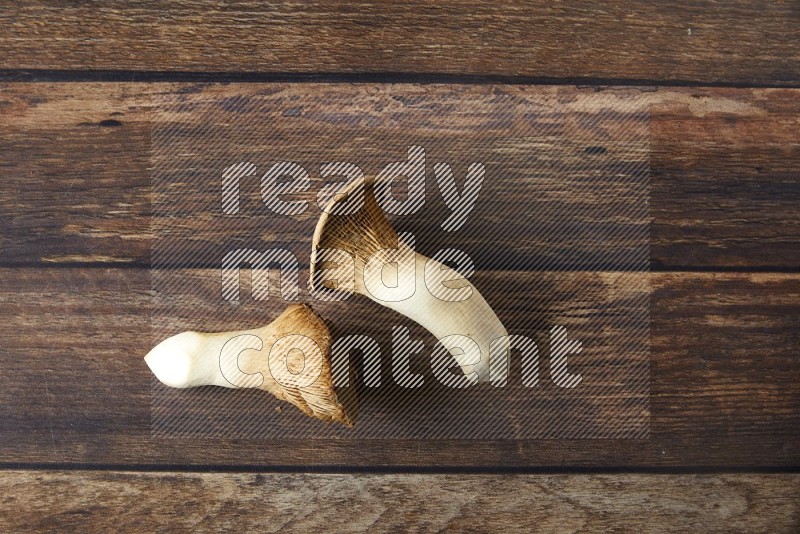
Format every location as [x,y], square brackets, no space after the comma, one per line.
[95,205]
[607,312]
[76,185]
[724,382]
[737,42]
[102,501]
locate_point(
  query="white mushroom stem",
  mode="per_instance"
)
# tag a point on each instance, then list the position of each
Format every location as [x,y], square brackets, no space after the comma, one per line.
[289,358]
[466,328]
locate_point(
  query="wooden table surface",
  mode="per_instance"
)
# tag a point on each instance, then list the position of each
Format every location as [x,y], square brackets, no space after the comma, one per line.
[722,86]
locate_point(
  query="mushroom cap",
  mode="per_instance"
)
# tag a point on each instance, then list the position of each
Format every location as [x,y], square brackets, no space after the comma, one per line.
[360,234]
[318,399]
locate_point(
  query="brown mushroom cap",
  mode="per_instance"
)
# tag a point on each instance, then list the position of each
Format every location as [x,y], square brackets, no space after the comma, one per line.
[318,399]
[359,234]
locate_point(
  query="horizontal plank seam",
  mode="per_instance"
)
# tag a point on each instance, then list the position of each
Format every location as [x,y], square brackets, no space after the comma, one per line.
[653,269]
[45,75]
[344,469]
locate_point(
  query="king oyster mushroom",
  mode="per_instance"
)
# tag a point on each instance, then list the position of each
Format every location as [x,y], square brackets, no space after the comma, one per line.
[289,358]
[467,328]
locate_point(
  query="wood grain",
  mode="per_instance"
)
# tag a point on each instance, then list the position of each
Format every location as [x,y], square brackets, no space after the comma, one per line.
[724,384]
[131,501]
[76,189]
[606,311]
[737,42]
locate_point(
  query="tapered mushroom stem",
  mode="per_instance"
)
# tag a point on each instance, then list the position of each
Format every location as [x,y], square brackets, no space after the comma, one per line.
[289,358]
[369,238]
